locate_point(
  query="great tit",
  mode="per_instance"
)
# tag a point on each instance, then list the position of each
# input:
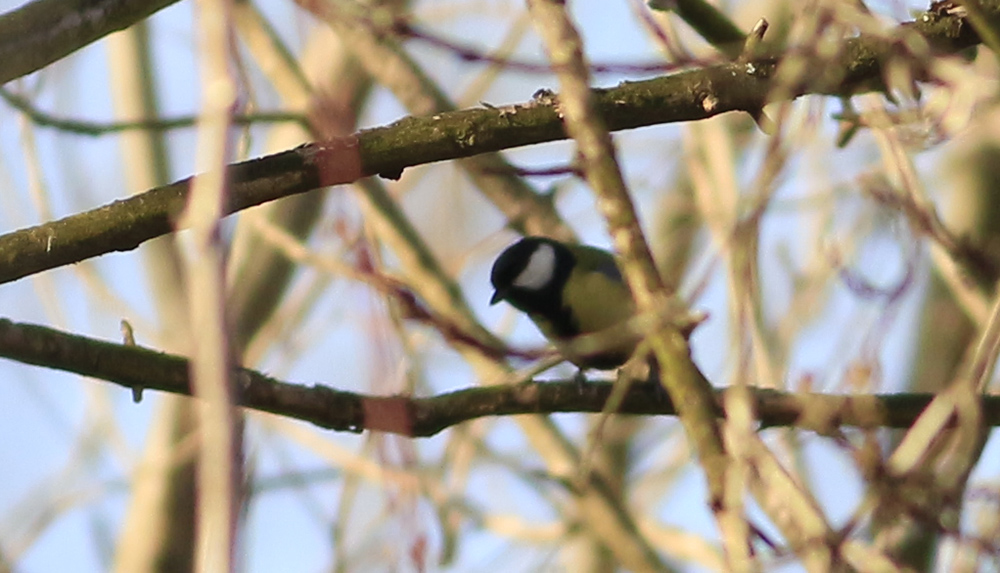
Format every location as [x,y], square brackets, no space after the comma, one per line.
[567,290]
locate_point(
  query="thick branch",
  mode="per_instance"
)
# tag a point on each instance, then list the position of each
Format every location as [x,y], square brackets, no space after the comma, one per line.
[136,367]
[43,31]
[388,150]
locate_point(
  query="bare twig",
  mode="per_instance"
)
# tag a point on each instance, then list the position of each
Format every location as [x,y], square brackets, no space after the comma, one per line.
[96,128]
[219,467]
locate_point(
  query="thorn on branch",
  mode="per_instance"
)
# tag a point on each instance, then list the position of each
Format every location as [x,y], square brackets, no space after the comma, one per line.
[391,175]
[544,96]
[753,41]
[689,322]
[128,339]
[764,122]
[848,128]
[662,5]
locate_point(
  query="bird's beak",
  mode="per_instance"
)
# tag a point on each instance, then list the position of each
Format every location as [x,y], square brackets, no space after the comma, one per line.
[497,297]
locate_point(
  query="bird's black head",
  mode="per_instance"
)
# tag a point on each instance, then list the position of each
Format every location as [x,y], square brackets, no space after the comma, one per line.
[530,275]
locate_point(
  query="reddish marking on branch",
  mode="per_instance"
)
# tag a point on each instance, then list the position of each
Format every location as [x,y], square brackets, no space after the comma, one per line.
[418,552]
[390,414]
[337,160]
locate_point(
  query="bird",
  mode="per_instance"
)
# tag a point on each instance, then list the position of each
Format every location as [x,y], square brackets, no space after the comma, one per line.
[567,290]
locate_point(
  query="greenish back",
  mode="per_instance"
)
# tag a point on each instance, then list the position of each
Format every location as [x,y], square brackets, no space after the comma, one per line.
[597,294]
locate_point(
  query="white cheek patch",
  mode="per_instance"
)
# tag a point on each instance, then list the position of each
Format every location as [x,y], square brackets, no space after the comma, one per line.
[540,269]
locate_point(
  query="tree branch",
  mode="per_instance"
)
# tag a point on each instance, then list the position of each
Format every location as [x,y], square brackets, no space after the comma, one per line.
[98,128]
[388,150]
[43,31]
[136,367]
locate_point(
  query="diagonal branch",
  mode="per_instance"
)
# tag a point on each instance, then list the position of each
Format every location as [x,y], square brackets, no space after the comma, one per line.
[388,150]
[44,31]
